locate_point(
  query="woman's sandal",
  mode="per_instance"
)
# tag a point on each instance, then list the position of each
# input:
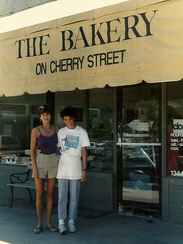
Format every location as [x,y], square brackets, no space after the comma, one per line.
[38,230]
[52,228]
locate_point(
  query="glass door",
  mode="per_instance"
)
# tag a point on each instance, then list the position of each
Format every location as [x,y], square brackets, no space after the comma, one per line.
[140,147]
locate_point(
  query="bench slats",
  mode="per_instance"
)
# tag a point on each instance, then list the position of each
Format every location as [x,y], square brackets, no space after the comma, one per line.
[27,184]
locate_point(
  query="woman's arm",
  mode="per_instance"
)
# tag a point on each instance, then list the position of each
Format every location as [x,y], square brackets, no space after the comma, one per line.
[33,152]
[57,129]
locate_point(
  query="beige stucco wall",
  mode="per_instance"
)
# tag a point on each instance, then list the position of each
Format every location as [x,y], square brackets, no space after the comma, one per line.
[11,6]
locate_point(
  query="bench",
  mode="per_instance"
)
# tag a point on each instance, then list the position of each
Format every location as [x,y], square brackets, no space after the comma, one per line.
[21,180]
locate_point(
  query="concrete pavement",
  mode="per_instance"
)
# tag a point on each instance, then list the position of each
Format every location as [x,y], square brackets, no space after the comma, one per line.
[17,224]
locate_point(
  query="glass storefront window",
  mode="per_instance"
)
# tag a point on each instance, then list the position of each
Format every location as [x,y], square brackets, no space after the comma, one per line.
[175,129]
[141,115]
[96,116]
[18,115]
[100,152]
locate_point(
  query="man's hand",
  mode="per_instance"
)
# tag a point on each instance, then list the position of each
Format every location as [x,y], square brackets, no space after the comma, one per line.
[37,151]
[83,176]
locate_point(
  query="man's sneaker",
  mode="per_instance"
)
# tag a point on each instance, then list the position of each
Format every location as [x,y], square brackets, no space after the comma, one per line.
[72,227]
[62,229]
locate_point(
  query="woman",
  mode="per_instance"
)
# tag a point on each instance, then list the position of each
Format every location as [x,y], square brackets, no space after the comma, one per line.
[44,140]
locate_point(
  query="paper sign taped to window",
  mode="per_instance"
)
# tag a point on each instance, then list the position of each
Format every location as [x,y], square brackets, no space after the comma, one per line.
[143,127]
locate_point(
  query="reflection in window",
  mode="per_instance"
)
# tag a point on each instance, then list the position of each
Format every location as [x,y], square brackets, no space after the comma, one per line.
[17,118]
[9,140]
[141,167]
[100,152]
[141,119]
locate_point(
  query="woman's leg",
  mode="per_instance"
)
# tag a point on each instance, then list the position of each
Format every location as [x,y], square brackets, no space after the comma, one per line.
[39,199]
[50,196]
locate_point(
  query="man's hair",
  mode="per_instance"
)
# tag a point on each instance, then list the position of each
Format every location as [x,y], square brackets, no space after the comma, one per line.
[68,111]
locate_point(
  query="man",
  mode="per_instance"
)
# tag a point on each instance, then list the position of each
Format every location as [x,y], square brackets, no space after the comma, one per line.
[73,141]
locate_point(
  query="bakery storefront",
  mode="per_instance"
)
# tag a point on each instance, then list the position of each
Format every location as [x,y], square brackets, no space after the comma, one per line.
[121,68]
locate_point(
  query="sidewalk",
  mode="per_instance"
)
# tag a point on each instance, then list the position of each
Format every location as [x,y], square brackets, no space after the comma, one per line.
[17,224]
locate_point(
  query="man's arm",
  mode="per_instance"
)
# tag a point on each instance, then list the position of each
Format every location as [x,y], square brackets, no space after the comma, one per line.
[84,158]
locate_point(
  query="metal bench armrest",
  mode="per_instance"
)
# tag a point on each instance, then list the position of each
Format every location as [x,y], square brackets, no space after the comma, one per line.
[20,177]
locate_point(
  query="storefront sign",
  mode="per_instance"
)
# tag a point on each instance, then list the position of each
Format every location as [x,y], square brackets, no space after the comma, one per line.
[178,126]
[176,135]
[120,45]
